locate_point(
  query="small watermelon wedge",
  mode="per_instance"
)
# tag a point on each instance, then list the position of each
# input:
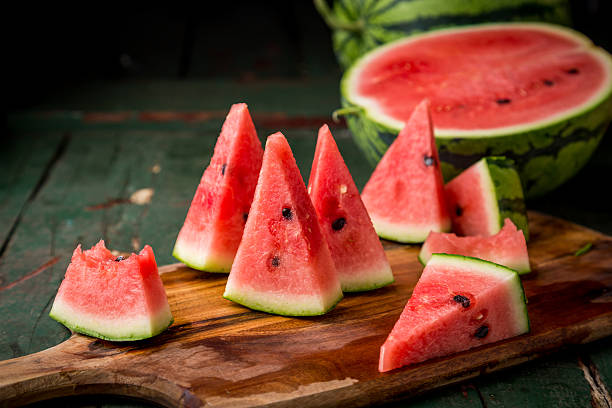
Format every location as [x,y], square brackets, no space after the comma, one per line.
[508,247]
[283,264]
[482,196]
[458,303]
[405,196]
[355,248]
[210,236]
[112,298]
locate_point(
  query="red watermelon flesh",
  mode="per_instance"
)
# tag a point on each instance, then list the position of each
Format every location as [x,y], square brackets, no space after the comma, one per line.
[404,196]
[507,247]
[112,298]
[213,228]
[355,248]
[531,68]
[283,264]
[458,303]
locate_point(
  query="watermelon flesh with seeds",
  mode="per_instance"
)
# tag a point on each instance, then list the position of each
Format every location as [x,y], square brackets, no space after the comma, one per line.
[357,252]
[215,221]
[484,195]
[536,93]
[404,196]
[508,247]
[457,304]
[283,264]
[112,298]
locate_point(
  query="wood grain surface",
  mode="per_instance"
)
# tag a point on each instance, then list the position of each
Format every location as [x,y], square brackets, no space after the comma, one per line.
[218,353]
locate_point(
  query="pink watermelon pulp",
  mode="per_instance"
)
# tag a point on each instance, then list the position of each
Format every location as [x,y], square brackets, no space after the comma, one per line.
[507,247]
[458,303]
[112,298]
[283,264]
[404,195]
[358,255]
[215,221]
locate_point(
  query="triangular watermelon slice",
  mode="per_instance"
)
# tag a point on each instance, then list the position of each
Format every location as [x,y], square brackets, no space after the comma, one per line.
[507,247]
[404,195]
[482,196]
[458,303]
[355,248]
[111,297]
[211,233]
[283,264]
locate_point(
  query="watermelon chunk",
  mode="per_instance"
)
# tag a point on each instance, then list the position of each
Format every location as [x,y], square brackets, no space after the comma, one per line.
[283,264]
[404,195]
[484,195]
[358,255]
[458,303]
[112,298]
[507,247]
[215,221]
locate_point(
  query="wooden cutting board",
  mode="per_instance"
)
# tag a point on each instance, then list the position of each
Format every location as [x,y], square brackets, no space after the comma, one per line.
[222,354]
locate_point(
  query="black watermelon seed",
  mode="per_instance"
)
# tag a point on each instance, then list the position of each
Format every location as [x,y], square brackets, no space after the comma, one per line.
[458,211]
[119,259]
[548,82]
[287,214]
[465,302]
[275,262]
[428,160]
[338,224]
[503,101]
[482,332]
[572,71]
[223,169]
[245,216]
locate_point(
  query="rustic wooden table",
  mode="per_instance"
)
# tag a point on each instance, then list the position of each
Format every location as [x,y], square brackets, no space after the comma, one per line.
[70,162]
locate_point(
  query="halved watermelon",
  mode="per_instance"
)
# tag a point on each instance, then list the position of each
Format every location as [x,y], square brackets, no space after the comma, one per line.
[355,248]
[484,195]
[404,196]
[283,264]
[215,221]
[112,298]
[507,247]
[537,93]
[458,303]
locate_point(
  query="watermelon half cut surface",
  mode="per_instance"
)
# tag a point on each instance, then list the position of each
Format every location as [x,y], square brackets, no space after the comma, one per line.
[508,247]
[484,195]
[210,236]
[537,93]
[458,303]
[357,252]
[283,264]
[112,298]
[404,196]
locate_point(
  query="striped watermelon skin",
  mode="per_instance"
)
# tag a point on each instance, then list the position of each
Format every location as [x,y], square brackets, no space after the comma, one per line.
[371,23]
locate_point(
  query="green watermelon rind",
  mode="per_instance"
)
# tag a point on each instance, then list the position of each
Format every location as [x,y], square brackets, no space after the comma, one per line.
[250,300]
[385,22]
[369,280]
[546,154]
[68,318]
[210,263]
[519,290]
[407,234]
[520,271]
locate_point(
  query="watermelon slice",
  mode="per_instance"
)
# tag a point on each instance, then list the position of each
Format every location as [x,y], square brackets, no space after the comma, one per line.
[507,247]
[355,248]
[536,93]
[484,195]
[458,303]
[215,221]
[283,264]
[404,195]
[112,298]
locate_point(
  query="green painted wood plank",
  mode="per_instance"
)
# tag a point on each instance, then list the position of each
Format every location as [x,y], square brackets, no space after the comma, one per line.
[555,381]
[456,396]
[24,160]
[600,354]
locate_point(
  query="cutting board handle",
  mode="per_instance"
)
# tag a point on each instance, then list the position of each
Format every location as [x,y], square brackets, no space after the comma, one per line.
[73,368]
